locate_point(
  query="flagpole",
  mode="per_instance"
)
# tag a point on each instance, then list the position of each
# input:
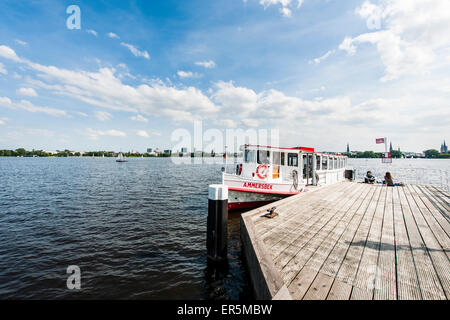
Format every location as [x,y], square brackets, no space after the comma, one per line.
[385,144]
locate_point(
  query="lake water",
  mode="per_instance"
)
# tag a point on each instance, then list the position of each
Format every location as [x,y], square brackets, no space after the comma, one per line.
[137,230]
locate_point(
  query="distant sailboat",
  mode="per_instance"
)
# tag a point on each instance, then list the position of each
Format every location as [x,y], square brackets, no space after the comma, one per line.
[120,158]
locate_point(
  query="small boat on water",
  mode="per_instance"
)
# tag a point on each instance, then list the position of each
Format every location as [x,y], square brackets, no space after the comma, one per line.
[269,174]
[121,158]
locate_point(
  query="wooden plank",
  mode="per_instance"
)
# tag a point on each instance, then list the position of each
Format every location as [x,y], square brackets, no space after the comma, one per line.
[386,288]
[302,237]
[339,290]
[265,277]
[437,211]
[407,279]
[316,193]
[349,266]
[319,248]
[289,210]
[429,283]
[309,209]
[310,240]
[354,241]
[443,194]
[336,256]
[361,294]
[319,287]
[299,226]
[438,229]
[366,272]
[439,259]
[435,197]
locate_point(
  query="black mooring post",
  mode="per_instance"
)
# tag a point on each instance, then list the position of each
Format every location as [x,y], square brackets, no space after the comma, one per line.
[217,225]
[350,174]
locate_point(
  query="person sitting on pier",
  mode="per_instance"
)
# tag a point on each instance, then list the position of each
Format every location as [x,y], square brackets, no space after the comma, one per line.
[388,180]
[369,178]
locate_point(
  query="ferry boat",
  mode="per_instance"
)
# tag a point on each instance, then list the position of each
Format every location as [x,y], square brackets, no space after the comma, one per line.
[269,174]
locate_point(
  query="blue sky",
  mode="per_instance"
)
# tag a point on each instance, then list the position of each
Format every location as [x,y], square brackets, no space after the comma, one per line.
[322,72]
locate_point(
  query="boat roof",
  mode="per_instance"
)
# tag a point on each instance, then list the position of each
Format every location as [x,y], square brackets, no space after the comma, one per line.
[307,149]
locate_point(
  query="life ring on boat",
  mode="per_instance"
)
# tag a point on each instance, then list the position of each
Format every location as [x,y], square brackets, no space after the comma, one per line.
[262,171]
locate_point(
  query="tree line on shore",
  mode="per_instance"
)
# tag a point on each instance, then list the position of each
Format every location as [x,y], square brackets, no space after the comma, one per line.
[21,152]
[429,154]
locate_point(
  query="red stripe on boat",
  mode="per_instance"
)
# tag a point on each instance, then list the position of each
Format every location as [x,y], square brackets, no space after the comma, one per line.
[261,191]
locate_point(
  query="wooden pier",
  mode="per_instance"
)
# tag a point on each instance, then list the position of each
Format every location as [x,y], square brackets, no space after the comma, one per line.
[351,241]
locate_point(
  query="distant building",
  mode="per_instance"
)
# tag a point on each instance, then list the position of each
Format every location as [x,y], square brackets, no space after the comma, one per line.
[184,150]
[348,148]
[157,151]
[444,148]
[390,147]
[168,151]
[149,150]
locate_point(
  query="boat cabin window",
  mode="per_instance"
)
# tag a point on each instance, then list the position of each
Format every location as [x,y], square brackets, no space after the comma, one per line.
[263,157]
[283,156]
[292,159]
[250,156]
[276,158]
[324,163]
[318,162]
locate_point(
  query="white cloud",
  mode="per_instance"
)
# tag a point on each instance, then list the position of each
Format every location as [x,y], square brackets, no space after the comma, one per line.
[28,106]
[285,5]
[347,45]
[325,56]
[103,115]
[8,53]
[136,51]
[94,134]
[113,35]
[27,92]
[414,39]
[22,43]
[187,74]
[286,12]
[3,120]
[142,133]
[93,32]
[3,69]
[206,64]
[267,3]
[81,113]
[105,89]
[228,123]
[139,118]
[250,122]
[229,105]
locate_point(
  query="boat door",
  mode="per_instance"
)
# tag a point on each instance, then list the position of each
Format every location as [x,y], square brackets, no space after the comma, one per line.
[307,168]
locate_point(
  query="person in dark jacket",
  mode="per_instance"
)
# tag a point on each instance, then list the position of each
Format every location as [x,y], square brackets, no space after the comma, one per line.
[388,180]
[369,178]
